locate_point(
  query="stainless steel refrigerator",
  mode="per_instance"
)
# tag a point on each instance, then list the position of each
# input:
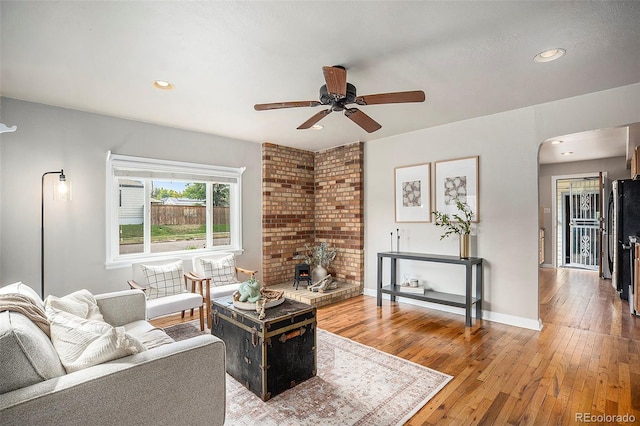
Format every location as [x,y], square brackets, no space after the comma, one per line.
[624,213]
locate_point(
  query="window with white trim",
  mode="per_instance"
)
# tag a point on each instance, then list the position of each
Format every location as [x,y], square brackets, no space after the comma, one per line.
[158,208]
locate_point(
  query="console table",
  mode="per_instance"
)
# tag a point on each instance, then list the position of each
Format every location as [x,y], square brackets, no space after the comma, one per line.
[465,301]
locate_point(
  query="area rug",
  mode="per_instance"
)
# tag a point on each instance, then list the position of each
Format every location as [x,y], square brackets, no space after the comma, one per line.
[355,385]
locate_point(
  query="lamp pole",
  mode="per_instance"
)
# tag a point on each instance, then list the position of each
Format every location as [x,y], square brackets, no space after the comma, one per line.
[62,178]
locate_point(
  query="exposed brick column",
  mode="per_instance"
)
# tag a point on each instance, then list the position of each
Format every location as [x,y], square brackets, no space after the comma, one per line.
[308,198]
[339,218]
[287,209]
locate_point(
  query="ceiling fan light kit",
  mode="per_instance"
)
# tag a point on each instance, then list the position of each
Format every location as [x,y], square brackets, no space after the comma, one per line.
[337,93]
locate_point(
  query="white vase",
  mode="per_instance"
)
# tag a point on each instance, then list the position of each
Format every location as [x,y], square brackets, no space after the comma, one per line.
[318,273]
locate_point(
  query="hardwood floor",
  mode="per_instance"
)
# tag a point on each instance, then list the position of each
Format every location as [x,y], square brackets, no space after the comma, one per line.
[585,360]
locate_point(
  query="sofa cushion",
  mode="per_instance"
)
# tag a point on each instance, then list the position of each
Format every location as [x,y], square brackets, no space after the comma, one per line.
[33,357]
[82,342]
[222,271]
[147,334]
[164,280]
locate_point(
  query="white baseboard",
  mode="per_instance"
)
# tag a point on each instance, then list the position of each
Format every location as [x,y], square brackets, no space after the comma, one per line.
[486,315]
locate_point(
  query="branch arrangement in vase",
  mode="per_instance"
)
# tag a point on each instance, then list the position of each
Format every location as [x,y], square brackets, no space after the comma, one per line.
[458,223]
[321,255]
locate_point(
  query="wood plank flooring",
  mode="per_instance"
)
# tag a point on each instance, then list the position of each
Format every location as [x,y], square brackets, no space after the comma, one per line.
[585,360]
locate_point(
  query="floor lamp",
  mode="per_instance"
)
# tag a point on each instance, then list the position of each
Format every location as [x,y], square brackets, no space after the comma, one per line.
[62,192]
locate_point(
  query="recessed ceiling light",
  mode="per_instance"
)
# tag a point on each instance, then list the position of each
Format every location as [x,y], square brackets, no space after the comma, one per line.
[550,55]
[556,142]
[566,153]
[317,127]
[163,85]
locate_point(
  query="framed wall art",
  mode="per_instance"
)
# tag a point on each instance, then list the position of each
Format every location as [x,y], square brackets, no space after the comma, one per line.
[413,193]
[457,179]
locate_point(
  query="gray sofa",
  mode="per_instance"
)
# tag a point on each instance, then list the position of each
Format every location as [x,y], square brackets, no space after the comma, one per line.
[176,383]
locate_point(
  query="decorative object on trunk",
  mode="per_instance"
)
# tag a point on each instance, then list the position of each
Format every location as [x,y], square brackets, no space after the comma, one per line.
[457,223]
[270,298]
[249,291]
[251,295]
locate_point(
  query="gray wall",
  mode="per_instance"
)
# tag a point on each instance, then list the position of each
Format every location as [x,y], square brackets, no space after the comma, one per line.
[507,234]
[615,167]
[50,138]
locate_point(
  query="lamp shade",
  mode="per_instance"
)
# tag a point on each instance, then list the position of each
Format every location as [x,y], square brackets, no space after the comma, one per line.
[62,189]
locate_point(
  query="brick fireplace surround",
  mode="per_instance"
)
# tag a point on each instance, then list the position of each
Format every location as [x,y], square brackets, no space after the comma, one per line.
[309,198]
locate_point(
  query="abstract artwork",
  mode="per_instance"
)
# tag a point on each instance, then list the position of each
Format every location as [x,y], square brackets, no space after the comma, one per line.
[457,180]
[455,188]
[413,193]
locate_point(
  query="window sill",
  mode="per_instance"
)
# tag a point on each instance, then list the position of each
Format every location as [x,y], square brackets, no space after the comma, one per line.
[129,260]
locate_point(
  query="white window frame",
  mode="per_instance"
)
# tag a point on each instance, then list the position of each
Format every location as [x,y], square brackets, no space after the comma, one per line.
[147,169]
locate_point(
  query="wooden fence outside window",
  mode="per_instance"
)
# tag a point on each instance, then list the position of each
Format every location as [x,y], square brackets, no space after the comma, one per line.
[162,214]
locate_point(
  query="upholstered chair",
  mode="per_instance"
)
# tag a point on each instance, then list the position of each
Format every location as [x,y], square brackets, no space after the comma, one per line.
[164,284]
[214,276]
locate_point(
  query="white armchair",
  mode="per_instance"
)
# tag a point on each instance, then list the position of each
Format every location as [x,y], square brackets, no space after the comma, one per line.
[164,284]
[215,275]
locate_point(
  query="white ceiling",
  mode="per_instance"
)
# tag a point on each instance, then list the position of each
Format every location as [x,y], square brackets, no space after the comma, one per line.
[472,58]
[592,145]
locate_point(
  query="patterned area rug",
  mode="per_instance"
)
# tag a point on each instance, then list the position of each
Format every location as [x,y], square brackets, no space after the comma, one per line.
[355,385]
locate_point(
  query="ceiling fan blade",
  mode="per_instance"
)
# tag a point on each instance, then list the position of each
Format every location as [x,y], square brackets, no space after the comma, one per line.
[362,119]
[313,120]
[336,79]
[391,98]
[278,105]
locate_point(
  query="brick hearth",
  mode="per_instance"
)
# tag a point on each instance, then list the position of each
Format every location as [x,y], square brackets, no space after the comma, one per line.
[317,299]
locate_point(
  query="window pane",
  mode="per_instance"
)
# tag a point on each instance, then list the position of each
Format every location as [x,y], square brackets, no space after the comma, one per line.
[220,212]
[161,206]
[131,215]
[178,216]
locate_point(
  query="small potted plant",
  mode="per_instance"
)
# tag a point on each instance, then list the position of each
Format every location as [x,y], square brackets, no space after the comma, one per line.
[321,255]
[458,223]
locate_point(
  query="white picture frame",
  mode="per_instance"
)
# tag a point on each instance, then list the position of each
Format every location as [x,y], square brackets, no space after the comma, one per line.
[457,178]
[413,193]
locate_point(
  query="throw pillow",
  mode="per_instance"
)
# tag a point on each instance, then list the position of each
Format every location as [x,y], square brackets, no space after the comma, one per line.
[82,342]
[80,303]
[222,271]
[164,280]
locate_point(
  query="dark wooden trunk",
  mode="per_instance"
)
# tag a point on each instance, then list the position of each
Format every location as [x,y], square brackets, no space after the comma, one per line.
[271,355]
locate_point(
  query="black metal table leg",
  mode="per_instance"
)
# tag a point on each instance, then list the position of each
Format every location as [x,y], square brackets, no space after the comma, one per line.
[379,293]
[467,308]
[479,289]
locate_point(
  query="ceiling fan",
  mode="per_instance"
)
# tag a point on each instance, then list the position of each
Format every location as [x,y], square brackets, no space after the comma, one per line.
[337,94]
